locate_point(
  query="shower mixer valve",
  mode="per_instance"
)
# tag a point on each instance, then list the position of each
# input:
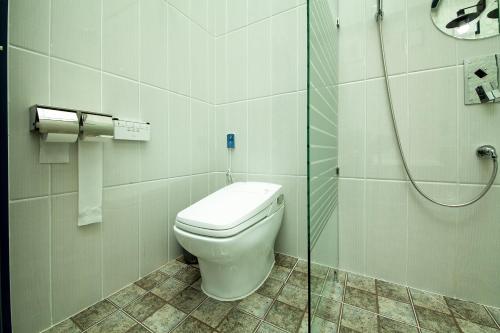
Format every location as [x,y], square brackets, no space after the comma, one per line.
[486,152]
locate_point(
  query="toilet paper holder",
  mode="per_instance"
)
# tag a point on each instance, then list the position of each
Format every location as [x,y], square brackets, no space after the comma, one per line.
[49,120]
[45,120]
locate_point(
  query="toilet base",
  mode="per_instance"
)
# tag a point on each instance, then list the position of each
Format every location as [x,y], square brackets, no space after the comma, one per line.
[238,298]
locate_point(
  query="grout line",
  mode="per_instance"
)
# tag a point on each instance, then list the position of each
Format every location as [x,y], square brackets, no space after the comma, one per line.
[492,317]
[410,297]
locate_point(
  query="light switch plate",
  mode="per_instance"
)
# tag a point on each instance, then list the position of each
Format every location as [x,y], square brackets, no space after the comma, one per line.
[481,72]
[131,130]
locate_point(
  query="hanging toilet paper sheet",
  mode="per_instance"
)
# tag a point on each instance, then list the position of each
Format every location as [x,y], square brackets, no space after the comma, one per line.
[90,167]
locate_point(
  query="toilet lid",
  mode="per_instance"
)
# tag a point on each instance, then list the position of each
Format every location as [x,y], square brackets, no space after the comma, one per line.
[230,206]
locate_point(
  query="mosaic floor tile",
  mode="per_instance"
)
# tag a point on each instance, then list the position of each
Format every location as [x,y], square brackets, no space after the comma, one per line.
[268,328]
[299,279]
[165,319]
[126,295]
[470,311]
[188,299]
[293,296]
[358,320]
[238,322]
[169,289]
[270,288]
[304,327]
[361,282]
[212,311]
[319,325]
[118,322]
[316,270]
[387,325]
[93,314]
[469,327]
[172,267]
[256,304]
[193,325]
[197,284]
[280,273]
[285,316]
[396,310]
[436,321]
[429,301]
[145,306]
[67,326]
[495,312]
[138,329]
[392,291]
[361,299]
[336,275]
[150,281]
[188,274]
[333,289]
[284,260]
[328,309]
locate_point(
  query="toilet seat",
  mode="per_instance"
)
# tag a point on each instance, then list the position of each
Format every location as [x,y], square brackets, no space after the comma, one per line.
[231,210]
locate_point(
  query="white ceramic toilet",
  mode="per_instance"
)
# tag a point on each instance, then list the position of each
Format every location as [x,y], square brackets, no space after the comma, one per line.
[232,232]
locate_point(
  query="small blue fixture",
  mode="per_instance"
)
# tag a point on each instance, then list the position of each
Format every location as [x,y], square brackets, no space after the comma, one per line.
[230,141]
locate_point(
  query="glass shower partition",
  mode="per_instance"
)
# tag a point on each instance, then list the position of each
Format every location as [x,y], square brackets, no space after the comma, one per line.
[322,145]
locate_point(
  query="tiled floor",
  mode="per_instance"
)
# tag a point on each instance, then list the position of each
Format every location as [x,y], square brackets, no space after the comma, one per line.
[170,300]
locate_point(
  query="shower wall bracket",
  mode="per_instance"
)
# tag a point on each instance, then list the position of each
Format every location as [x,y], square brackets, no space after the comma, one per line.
[482,77]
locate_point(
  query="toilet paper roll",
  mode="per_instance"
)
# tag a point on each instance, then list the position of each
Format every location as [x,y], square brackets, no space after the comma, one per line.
[59,137]
[97,126]
[56,121]
[53,152]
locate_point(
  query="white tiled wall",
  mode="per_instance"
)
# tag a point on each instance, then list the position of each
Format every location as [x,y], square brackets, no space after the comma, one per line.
[138,59]
[260,95]
[386,229]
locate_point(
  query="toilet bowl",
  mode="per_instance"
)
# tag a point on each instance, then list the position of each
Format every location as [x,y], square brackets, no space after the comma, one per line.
[232,232]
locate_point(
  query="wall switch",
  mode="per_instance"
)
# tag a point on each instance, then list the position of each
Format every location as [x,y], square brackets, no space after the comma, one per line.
[132,130]
[230,141]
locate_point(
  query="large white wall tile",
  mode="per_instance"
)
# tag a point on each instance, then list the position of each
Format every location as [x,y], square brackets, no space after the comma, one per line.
[220,16]
[120,37]
[200,113]
[199,61]
[284,52]
[76,31]
[477,246]
[386,230]
[178,28]
[427,46]
[259,135]
[120,227]
[153,227]
[432,99]
[383,160]
[199,187]
[237,59]
[29,24]
[236,123]
[352,41]
[284,140]
[221,67]
[302,48]
[302,134]
[236,14]
[432,239]
[352,225]
[258,10]
[395,38]
[154,153]
[178,199]
[352,130]
[120,97]
[76,259]
[179,139]
[28,85]
[153,47]
[259,60]
[199,13]
[29,246]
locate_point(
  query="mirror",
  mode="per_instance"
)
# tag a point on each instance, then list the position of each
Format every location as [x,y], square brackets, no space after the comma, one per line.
[466,19]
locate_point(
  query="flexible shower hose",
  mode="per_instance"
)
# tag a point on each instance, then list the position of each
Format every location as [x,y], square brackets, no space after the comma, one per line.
[398,138]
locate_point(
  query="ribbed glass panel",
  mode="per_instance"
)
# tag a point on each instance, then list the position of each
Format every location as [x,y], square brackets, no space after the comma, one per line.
[323,123]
